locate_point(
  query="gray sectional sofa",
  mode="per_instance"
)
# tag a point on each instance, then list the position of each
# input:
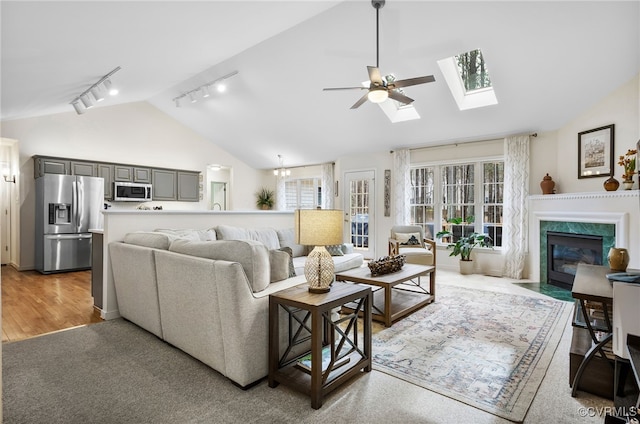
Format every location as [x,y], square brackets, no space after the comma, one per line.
[206,292]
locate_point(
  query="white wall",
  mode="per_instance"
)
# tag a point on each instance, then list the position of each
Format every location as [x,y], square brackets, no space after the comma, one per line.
[621,108]
[135,133]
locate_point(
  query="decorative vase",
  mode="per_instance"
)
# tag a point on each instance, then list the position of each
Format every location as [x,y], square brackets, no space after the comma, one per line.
[547,184]
[618,259]
[611,184]
[627,184]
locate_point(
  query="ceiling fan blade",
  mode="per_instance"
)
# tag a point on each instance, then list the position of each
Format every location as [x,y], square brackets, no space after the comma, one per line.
[412,81]
[374,75]
[360,102]
[400,97]
[344,88]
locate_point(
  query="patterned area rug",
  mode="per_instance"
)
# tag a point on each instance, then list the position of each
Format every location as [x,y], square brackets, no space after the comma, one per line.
[486,349]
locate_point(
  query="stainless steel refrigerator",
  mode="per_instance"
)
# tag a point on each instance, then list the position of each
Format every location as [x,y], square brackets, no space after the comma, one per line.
[67,207]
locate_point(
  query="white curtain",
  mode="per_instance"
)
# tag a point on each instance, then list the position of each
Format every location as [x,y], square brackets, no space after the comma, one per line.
[401,186]
[328,193]
[281,194]
[515,215]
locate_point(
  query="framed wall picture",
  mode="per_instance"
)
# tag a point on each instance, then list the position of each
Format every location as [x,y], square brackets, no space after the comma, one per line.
[595,152]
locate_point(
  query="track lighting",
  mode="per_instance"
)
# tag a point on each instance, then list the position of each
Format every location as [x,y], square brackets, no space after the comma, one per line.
[204,90]
[95,93]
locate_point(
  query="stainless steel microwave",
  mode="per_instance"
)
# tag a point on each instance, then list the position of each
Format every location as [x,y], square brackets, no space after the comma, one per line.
[131,192]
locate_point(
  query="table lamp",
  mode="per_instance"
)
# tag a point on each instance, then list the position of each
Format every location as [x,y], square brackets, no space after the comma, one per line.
[319,228]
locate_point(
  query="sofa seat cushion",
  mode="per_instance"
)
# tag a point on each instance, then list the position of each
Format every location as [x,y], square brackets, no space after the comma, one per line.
[253,256]
[341,263]
[266,236]
[417,255]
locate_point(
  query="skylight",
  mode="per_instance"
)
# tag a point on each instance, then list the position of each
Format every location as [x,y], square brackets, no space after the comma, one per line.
[468,80]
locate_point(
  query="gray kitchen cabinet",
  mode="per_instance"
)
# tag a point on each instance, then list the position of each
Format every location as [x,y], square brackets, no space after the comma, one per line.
[85,169]
[43,165]
[141,175]
[188,186]
[123,173]
[132,174]
[105,171]
[164,184]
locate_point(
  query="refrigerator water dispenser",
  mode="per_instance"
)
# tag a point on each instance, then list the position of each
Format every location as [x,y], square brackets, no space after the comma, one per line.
[59,213]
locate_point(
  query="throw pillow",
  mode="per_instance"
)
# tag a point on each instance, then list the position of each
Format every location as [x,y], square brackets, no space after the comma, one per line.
[292,269]
[408,239]
[335,250]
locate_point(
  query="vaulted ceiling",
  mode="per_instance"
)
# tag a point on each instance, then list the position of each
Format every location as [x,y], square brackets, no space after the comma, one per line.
[549,62]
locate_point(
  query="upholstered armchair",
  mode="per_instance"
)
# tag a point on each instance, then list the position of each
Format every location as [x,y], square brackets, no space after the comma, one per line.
[409,240]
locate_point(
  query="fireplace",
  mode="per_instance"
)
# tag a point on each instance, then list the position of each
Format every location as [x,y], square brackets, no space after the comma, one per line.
[565,251]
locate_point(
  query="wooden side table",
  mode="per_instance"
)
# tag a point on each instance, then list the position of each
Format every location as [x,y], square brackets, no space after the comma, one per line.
[344,352]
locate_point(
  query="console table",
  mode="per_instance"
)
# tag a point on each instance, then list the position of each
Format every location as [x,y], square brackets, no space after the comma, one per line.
[591,285]
[338,351]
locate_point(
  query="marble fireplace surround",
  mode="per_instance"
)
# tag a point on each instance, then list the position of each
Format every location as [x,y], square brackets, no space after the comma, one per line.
[619,208]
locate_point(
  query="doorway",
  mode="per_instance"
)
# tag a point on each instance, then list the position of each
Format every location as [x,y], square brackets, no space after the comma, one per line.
[359,214]
[218,196]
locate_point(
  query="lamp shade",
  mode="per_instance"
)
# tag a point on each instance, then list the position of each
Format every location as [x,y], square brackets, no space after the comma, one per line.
[318,227]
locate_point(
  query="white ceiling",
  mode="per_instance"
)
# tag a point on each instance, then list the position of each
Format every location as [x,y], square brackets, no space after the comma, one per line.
[549,62]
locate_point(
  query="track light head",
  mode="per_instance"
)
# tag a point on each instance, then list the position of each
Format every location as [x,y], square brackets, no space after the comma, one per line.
[86,101]
[205,91]
[80,109]
[221,87]
[177,102]
[192,96]
[110,88]
[96,93]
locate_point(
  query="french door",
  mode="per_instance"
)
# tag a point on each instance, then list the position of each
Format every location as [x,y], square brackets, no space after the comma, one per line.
[359,211]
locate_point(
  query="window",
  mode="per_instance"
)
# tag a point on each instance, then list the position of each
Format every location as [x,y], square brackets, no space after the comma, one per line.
[461,198]
[304,193]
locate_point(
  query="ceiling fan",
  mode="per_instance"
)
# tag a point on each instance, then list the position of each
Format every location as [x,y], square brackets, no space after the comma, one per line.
[379,88]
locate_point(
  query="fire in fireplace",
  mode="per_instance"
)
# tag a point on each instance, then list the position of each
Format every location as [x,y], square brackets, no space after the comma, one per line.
[565,251]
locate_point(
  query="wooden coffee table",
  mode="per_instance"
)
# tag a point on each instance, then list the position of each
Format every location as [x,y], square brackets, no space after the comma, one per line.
[401,294]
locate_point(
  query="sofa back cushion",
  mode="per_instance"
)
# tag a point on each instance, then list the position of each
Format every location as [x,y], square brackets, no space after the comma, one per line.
[287,238]
[252,255]
[148,239]
[266,236]
[195,235]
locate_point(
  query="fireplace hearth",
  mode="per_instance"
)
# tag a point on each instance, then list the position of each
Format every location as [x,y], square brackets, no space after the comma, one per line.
[565,251]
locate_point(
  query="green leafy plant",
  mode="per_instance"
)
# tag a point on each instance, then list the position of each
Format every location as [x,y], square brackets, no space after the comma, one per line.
[265,198]
[465,244]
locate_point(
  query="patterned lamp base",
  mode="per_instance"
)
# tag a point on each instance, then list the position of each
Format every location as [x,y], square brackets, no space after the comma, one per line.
[318,269]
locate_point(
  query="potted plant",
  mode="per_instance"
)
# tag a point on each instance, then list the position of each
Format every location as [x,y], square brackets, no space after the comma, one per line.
[265,198]
[628,162]
[464,245]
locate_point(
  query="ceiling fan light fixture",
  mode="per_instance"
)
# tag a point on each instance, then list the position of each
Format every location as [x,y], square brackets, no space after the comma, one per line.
[377,95]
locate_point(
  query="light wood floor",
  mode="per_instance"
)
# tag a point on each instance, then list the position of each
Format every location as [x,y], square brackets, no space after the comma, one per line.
[35,304]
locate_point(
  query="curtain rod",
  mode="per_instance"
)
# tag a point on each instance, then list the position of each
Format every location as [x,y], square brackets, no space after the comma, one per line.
[535,134]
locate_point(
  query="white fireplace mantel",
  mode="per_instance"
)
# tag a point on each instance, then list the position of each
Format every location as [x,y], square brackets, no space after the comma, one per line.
[621,208]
